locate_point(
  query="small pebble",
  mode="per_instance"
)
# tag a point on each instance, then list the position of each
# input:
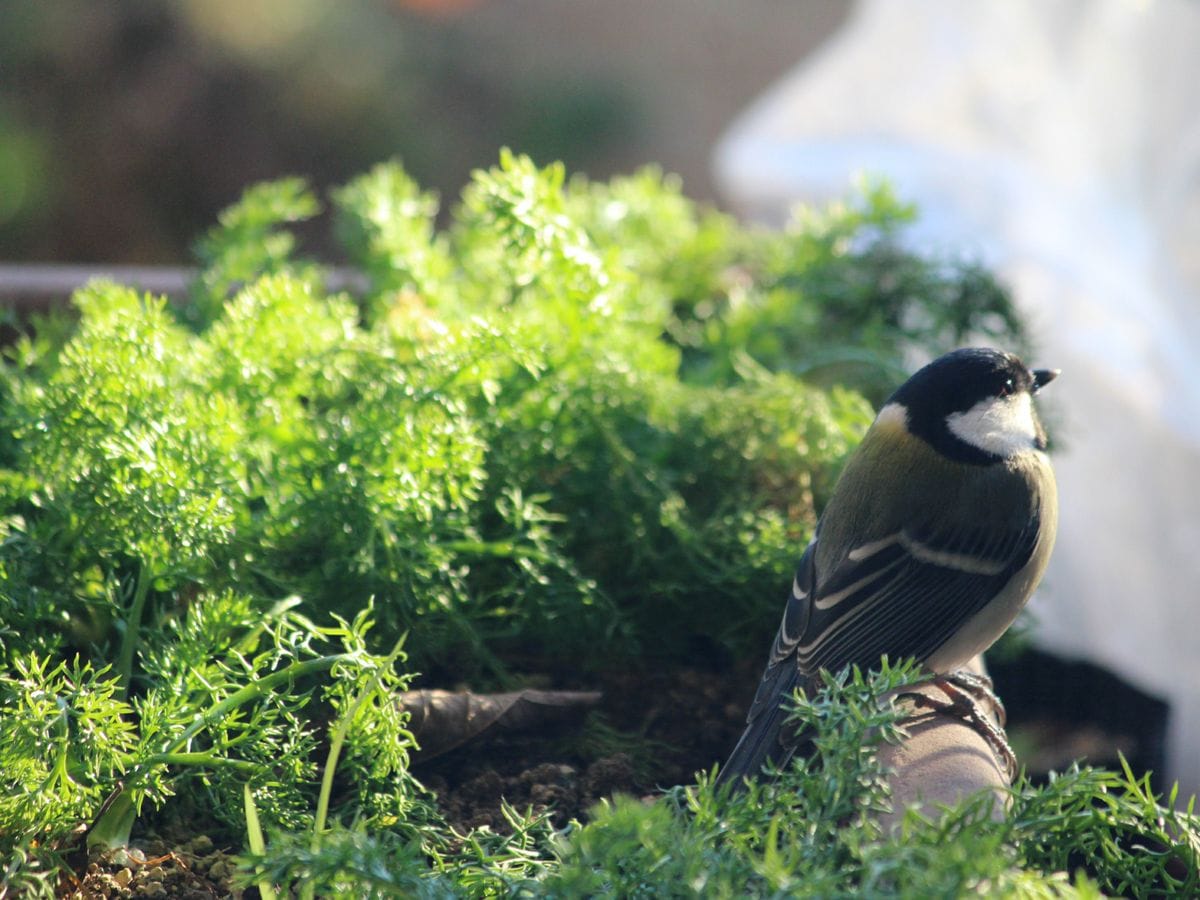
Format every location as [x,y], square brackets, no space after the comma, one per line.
[200,844]
[222,868]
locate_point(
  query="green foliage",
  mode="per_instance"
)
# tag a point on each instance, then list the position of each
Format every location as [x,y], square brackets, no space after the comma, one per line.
[798,834]
[839,300]
[232,707]
[64,735]
[543,428]
[387,223]
[1114,825]
[132,462]
[583,422]
[251,241]
[814,830]
[687,258]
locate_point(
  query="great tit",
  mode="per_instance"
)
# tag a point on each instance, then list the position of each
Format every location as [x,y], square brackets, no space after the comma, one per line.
[938,531]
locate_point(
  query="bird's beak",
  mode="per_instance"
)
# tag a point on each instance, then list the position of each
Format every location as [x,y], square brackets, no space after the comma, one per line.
[1042,377]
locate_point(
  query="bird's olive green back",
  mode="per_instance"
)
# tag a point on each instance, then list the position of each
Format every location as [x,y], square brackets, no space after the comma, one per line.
[912,486]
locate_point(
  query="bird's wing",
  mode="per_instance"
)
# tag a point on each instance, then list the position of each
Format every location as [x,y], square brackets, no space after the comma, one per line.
[907,593]
[904,595]
[765,738]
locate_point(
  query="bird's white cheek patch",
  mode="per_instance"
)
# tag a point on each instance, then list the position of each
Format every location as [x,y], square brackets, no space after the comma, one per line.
[894,415]
[999,425]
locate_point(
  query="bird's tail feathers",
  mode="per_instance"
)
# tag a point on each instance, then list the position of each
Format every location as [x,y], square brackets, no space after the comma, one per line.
[765,739]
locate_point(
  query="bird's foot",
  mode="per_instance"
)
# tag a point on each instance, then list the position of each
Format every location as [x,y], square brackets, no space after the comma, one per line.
[967,692]
[978,687]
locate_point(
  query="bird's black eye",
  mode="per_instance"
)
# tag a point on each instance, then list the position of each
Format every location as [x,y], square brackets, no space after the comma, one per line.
[1007,388]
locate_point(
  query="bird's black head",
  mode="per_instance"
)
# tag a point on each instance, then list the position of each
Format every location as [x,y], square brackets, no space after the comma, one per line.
[974,405]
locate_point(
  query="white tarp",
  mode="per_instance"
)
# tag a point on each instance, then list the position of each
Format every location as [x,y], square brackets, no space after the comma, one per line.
[1057,141]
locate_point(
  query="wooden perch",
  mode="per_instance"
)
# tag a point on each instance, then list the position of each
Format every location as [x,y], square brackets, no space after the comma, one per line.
[942,761]
[37,287]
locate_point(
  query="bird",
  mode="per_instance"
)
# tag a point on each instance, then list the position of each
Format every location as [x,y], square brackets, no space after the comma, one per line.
[937,532]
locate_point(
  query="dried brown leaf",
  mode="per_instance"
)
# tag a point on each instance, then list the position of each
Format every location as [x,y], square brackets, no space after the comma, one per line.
[442,721]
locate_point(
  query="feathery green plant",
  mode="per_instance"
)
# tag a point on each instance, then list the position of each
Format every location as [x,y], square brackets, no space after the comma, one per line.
[584,421]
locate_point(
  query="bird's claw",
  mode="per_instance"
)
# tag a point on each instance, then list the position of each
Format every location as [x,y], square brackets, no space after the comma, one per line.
[966,690]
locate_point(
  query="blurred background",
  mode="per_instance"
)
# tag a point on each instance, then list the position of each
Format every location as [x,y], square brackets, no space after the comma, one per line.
[1056,140]
[126,126]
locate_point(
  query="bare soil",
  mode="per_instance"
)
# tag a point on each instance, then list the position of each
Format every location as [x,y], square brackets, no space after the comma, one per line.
[674,722]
